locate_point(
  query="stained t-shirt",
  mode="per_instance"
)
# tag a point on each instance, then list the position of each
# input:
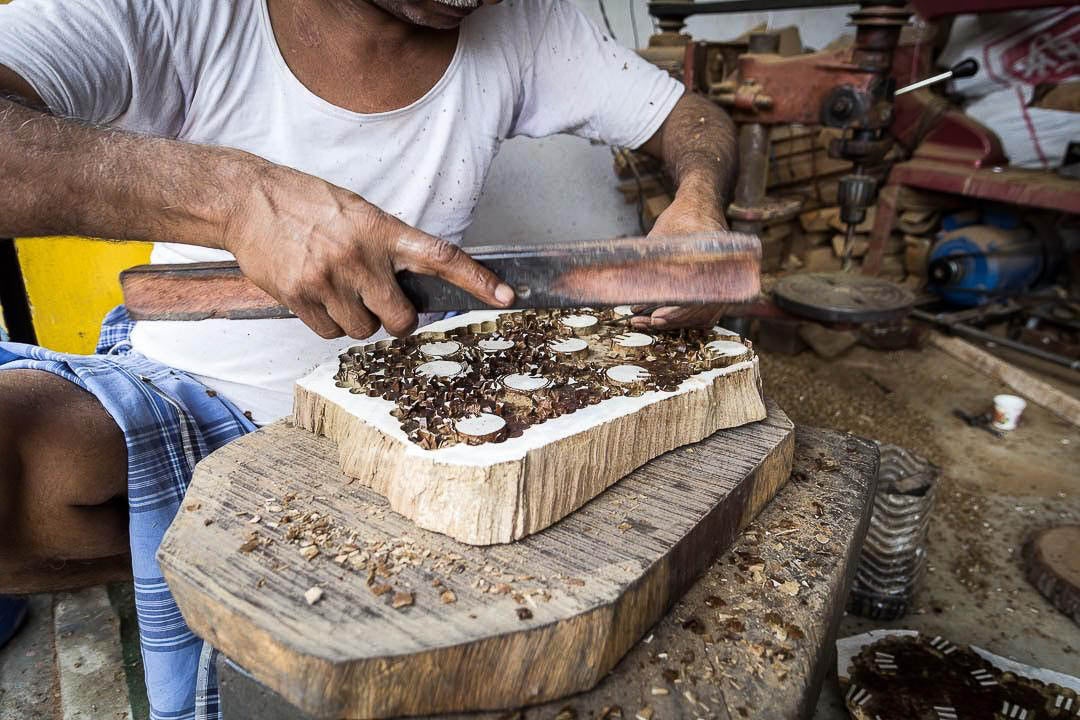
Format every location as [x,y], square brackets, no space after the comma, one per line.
[210,71]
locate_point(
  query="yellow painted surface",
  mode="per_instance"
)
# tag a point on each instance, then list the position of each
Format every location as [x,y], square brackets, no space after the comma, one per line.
[71,283]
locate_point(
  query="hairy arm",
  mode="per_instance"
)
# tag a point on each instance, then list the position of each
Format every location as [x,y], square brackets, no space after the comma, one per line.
[324,252]
[697,144]
[76,179]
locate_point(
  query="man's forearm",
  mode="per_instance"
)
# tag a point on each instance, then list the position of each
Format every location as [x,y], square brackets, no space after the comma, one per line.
[698,145]
[69,178]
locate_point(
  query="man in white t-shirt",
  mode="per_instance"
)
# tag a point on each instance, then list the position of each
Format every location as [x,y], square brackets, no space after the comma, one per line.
[326,144]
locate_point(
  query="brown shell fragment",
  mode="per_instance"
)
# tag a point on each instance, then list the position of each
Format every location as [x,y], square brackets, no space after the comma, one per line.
[401,600]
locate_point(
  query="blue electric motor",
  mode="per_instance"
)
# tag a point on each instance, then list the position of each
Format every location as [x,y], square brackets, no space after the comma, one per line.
[978,264]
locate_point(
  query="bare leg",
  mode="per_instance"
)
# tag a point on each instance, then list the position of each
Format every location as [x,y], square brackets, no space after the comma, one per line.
[63,486]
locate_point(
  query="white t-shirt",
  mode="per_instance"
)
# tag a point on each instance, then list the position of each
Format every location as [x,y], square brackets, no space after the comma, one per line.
[210,71]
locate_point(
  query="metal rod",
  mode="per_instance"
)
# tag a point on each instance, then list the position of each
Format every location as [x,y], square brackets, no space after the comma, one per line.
[923,83]
[849,245]
[679,10]
[968,331]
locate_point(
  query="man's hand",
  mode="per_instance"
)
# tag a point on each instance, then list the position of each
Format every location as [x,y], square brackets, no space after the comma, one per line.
[687,214]
[697,145]
[331,257]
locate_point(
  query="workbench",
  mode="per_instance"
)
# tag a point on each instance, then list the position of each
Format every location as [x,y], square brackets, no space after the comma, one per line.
[754,635]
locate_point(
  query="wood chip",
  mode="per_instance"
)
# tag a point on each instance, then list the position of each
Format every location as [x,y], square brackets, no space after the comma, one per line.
[401,600]
[524,613]
[645,713]
[309,552]
[192,506]
[250,544]
[790,587]
[567,713]
[313,595]
[448,597]
[624,526]
[660,691]
[381,589]
[576,582]
[254,519]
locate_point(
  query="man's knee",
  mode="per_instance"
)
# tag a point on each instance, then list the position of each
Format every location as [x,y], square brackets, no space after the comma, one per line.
[63,473]
[64,444]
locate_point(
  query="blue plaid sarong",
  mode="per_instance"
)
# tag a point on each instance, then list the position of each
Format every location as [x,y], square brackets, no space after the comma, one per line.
[170,422]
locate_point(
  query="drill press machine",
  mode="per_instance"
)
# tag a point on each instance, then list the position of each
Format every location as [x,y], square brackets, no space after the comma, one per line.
[850,89]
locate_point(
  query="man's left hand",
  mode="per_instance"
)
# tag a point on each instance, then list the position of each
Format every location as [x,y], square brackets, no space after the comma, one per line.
[684,216]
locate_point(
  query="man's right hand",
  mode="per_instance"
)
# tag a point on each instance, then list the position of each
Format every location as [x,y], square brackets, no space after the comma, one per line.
[331,257]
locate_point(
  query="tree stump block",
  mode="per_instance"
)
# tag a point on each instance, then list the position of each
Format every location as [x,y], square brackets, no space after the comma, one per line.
[1053,567]
[489,444]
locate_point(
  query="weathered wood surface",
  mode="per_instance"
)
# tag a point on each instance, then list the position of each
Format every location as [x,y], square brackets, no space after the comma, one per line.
[1052,565]
[532,621]
[738,644]
[497,493]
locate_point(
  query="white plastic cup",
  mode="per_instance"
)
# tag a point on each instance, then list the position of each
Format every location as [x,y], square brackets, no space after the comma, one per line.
[1007,411]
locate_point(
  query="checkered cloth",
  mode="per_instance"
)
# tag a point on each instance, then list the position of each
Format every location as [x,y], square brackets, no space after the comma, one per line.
[170,422]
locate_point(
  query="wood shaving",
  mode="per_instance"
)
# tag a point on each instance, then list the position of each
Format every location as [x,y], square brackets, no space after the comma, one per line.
[250,544]
[401,600]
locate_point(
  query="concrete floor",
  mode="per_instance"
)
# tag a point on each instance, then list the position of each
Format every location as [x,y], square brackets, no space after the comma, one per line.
[993,493]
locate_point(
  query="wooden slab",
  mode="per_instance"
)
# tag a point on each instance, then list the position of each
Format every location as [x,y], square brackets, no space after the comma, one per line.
[1052,565]
[735,645]
[503,491]
[532,621]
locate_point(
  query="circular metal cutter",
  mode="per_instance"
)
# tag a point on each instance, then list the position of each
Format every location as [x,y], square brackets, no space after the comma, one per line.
[842,297]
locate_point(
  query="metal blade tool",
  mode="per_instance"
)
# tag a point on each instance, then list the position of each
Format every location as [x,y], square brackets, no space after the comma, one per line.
[714,267]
